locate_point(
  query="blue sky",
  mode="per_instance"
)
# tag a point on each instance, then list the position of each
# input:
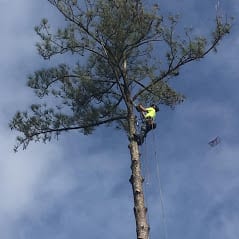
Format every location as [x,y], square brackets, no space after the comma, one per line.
[77,187]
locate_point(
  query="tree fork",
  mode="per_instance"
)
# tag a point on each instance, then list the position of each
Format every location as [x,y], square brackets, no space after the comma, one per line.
[136,180]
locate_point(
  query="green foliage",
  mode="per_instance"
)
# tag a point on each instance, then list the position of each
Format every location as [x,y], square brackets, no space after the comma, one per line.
[126,54]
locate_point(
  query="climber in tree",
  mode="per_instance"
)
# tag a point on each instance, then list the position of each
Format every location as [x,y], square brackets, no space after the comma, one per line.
[149,115]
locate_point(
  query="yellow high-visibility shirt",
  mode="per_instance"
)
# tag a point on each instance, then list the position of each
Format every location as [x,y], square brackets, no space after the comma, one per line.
[151,113]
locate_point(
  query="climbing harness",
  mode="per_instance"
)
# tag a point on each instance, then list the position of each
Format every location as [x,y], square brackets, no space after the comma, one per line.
[143,126]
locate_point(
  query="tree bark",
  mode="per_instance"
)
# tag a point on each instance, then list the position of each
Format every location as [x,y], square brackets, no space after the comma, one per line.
[136,180]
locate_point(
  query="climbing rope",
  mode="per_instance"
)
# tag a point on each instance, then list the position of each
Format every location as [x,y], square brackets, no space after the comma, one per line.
[217,7]
[146,174]
[160,189]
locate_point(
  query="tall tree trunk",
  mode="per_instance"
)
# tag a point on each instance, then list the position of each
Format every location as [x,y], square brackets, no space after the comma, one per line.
[136,180]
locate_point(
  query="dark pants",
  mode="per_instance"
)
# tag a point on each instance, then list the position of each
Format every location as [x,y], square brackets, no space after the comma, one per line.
[145,128]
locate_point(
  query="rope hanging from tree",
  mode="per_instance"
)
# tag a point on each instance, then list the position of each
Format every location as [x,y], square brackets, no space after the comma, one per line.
[145,166]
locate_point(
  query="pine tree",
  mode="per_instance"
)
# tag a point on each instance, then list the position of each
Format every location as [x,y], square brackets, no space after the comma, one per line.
[127,54]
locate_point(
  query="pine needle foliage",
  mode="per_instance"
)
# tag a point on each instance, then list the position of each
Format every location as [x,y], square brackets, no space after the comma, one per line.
[116,42]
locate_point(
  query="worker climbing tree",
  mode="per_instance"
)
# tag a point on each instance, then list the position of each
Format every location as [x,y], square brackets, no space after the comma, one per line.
[126,52]
[148,116]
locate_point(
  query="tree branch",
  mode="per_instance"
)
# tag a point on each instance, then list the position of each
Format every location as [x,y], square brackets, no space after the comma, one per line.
[180,63]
